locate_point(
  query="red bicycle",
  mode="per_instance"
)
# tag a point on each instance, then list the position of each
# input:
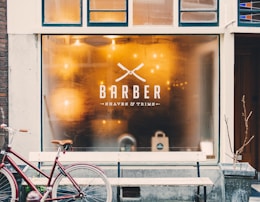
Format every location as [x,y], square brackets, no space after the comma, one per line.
[76,182]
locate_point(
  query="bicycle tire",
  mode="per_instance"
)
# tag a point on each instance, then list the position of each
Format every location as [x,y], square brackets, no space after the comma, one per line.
[8,186]
[92,181]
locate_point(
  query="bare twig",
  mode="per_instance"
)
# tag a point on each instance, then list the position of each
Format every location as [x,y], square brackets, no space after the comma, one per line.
[246,120]
[226,121]
[247,137]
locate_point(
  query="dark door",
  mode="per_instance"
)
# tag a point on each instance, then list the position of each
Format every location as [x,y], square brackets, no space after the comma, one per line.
[247,82]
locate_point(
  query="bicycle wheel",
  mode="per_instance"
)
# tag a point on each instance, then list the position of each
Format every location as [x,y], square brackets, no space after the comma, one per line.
[8,188]
[93,184]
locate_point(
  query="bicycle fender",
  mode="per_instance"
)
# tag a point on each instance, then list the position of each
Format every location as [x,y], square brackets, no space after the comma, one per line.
[2,166]
[87,164]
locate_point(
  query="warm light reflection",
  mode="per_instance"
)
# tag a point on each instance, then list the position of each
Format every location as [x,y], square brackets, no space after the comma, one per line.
[62,11]
[66,67]
[68,104]
[108,127]
[111,36]
[77,42]
[180,84]
[113,44]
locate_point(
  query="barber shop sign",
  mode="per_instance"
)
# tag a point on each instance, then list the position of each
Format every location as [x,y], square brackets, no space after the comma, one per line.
[134,95]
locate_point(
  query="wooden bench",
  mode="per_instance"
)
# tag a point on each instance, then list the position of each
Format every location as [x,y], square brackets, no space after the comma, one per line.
[120,159]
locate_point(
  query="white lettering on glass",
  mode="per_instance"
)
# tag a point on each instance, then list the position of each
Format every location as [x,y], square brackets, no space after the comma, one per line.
[136,92]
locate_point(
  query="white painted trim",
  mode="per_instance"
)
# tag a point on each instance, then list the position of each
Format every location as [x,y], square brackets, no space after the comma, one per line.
[129,30]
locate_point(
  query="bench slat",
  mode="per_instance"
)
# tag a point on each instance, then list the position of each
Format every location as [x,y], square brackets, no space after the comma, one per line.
[122,157]
[160,181]
[189,181]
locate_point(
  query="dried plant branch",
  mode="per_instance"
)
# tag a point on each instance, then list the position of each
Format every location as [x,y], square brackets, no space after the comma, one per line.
[246,120]
[246,140]
[229,140]
[241,149]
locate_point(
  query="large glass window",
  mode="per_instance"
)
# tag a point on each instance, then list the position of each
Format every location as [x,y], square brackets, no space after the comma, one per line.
[152,12]
[107,13]
[131,92]
[61,12]
[198,12]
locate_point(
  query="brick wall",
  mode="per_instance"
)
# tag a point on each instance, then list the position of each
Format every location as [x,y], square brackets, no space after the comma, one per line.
[3,59]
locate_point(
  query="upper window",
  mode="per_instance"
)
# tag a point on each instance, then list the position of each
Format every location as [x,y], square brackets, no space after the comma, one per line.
[107,13]
[142,12]
[62,12]
[249,13]
[152,12]
[202,12]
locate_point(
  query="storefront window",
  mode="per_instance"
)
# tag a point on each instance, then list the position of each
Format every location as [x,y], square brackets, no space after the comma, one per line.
[131,92]
[62,12]
[153,12]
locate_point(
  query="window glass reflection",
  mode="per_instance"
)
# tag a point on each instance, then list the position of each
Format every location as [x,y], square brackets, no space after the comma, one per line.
[107,17]
[153,12]
[107,5]
[107,13]
[198,17]
[199,4]
[62,12]
[194,12]
[98,88]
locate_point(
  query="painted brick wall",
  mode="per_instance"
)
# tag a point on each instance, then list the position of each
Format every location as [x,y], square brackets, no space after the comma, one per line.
[3,59]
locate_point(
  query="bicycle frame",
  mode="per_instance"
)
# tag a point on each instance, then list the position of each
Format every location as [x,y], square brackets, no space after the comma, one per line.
[57,163]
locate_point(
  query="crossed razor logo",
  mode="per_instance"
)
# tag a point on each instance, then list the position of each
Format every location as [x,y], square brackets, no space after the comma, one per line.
[130,72]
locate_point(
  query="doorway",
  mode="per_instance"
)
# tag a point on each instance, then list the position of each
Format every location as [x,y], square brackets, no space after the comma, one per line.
[247,82]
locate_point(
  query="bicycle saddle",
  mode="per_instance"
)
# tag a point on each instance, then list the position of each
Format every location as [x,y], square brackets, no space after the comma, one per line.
[62,142]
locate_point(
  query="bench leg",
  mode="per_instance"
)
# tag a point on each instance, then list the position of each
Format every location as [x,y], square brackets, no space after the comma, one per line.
[118,194]
[205,193]
[118,175]
[198,194]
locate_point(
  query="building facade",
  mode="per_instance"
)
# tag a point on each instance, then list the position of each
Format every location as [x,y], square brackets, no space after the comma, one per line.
[4,58]
[133,75]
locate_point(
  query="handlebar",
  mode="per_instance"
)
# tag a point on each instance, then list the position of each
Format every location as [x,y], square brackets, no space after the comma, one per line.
[6,128]
[10,134]
[3,126]
[10,131]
